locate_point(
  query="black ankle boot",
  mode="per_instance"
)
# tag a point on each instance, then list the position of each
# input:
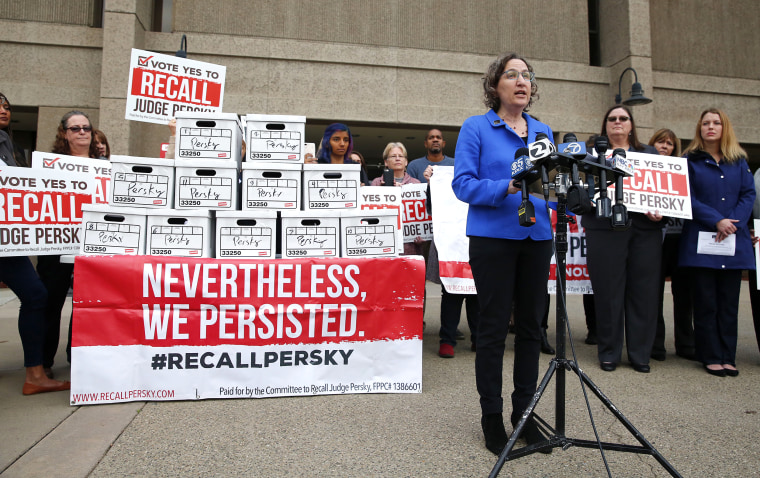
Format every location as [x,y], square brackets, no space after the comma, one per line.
[494,432]
[546,347]
[530,432]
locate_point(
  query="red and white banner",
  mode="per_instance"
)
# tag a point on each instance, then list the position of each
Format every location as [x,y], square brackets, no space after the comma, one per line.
[659,183]
[451,241]
[41,210]
[161,85]
[187,329]
[577,280]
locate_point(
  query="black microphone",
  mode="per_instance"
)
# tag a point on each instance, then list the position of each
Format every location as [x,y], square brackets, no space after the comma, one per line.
[522,171]
[571,145]
[623,168]
[603,204]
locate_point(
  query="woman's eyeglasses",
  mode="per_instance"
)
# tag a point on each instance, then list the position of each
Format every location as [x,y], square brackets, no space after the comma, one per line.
[77,129]
[512,75]
[612,119]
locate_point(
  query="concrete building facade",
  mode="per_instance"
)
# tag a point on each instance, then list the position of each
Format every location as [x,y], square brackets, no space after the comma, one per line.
[390,69]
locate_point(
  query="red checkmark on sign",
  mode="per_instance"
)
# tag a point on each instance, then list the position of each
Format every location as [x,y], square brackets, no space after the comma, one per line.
[48,163]
[143,60]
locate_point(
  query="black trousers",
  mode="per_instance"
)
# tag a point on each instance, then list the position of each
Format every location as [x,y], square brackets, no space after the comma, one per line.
[625,270]
[683,325]
[57,280]
[505,271]
[715,294]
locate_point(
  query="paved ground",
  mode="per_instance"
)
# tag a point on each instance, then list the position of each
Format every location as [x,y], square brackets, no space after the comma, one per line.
[704,425]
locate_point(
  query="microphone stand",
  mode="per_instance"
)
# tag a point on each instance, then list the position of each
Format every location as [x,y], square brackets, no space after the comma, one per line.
[559,365]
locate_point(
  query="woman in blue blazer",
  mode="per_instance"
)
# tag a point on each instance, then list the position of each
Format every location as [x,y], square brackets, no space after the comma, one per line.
[722,195]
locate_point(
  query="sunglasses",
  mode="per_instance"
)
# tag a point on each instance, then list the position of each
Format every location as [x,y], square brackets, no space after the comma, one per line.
[612,119]
[77,129]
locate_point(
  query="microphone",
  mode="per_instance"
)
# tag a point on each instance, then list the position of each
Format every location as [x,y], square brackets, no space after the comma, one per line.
[522,170]
[541,149]
[571,145]
[623,168]
[603,204]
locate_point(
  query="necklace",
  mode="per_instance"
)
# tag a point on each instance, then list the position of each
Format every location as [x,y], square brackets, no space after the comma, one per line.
[520,126]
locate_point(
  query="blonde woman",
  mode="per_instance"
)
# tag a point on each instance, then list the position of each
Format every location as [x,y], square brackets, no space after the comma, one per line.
[722,195]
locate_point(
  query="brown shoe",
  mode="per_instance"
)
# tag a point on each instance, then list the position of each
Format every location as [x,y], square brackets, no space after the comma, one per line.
[32,389]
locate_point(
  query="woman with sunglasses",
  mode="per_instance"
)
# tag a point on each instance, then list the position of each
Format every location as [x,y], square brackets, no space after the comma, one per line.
[624,266]
[509,262]
[722,195]
[18,274]
[73,138]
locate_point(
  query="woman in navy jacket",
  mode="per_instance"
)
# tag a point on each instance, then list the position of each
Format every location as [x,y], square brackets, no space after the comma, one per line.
[722,194]
[509,262]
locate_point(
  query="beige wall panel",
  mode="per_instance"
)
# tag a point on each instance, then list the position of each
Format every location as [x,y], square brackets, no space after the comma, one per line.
[324,90]
[123,33]
[572,107]
[75,12]
[51,75]
[681,109]
[439,98]
[143,9]
[699,36]
[481,26]
[32,33]
[614,31]
[48,120]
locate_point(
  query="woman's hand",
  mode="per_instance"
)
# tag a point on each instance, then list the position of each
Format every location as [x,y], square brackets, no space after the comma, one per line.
[753,236]
[654,216]
[725,228]
[512,188]
[173,126]
[428,173]
[310,159]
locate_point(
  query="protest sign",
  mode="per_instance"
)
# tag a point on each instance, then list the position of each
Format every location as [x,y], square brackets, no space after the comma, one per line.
[417,222]
[451,241]
[188,328]
[161,85]
[98,169]
[41,210]
[577,279]
[659,183]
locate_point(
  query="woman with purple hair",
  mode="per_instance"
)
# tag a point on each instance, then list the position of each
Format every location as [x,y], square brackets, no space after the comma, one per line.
[336,147]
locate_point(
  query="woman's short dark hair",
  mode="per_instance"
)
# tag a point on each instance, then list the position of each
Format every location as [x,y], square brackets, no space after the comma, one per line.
[492,76]
[633,140]
[61,144]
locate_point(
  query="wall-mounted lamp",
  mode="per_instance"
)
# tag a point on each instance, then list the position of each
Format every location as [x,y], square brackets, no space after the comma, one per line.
[637,92]
[182,52]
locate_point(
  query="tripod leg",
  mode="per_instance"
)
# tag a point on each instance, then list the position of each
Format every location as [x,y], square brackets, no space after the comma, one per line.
[622,419]
[505,454]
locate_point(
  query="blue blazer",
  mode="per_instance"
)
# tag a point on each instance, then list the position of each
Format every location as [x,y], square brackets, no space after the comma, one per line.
[718,191]
[484,155]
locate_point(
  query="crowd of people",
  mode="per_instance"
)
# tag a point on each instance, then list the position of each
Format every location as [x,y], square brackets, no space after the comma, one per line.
[510,263]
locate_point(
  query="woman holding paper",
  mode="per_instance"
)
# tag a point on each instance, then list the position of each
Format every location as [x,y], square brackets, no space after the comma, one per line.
[73,138]
[624,266]
[716,243]
[509,262]
[18,274]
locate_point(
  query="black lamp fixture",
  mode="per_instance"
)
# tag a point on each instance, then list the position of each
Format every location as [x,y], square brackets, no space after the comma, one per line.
[637,92]
[182,52]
